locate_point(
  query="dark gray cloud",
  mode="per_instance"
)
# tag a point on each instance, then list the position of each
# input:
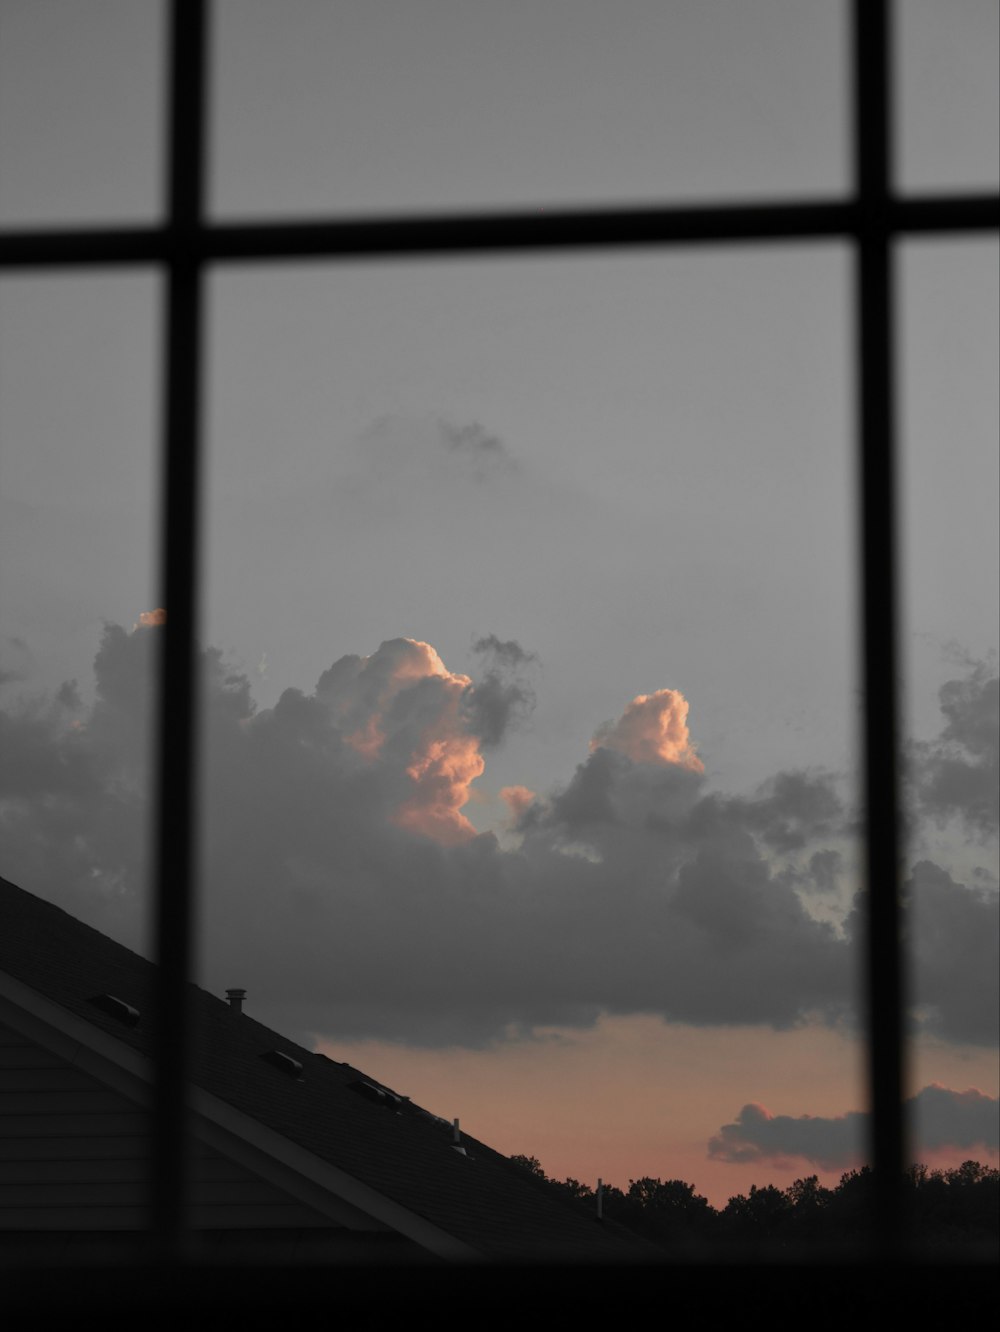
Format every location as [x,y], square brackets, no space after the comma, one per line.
[505,654]
[939,1117]
[757,1135]
[74,809]
[825,868]
[68,696]
[793,809]
[503,697]
[954,936]
[343,886]
[957,775]
[968,1119]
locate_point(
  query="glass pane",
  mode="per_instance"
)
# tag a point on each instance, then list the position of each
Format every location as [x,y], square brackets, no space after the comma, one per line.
[81,94]
[357,108]
[948,57]
[951,420]
[479,536]
[77,534]
[78,518]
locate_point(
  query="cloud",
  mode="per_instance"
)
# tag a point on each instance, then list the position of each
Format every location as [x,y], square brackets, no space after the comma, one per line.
[793,809]
[757,1135]
[957,775]
[402,709]
[482,453]
[967,1120]
[419,453]
[825,868]
[954,936]
[518,800]
[503,697]
[68,696]
[74,809]
[508,654]
[652,729]
[345,888]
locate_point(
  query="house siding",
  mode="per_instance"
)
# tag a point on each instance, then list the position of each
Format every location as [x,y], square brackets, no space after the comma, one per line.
[74,1156]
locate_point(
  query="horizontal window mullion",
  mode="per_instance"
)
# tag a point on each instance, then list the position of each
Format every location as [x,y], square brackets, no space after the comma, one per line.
[572,229]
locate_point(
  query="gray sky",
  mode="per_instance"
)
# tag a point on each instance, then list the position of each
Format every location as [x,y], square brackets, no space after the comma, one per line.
[637,468]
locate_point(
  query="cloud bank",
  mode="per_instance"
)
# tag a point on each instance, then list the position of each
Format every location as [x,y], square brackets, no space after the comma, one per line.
[343,885]
[939,1117]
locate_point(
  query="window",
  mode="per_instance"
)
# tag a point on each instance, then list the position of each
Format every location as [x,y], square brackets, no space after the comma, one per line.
[189,247]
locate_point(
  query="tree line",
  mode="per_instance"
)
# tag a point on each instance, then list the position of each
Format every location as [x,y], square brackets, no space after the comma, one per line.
[959,1207]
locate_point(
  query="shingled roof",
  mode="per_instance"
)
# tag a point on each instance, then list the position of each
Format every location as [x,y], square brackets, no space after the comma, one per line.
[341,1117]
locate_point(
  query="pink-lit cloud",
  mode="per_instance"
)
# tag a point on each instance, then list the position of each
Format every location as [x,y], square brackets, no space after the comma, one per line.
[149,619]
[442,771]
[403,705]
[652,729]
[518,799]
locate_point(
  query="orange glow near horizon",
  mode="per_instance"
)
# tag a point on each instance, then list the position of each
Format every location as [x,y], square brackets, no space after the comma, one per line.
[652,729]
[635,1096]
[632,1096]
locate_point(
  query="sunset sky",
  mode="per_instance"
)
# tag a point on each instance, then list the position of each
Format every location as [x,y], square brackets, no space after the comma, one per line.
[531,698]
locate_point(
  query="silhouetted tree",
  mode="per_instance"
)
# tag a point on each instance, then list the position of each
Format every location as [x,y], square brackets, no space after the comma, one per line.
[851,1207]
[958,1207]
[667,1211]
[809,1202]
[531,1164]
[761,1214]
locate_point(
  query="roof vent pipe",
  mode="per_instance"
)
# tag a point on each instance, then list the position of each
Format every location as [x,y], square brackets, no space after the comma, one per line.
[236,998]
[456,1139]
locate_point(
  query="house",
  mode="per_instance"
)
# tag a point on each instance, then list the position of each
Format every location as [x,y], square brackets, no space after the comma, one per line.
[296,1157]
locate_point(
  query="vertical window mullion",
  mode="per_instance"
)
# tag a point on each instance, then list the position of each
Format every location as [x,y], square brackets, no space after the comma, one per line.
[876,445]
[175,841]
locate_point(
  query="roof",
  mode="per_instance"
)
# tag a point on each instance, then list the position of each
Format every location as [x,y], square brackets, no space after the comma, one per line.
[489,1206]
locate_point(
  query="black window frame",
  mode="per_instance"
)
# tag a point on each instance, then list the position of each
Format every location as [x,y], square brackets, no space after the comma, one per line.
[870,218]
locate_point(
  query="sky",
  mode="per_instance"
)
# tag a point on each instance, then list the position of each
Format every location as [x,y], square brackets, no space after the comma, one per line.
[530,689]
